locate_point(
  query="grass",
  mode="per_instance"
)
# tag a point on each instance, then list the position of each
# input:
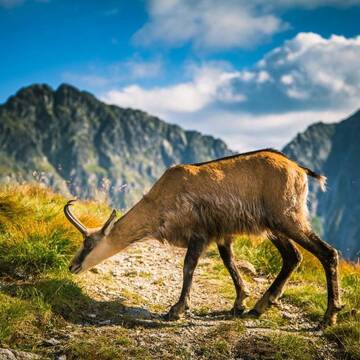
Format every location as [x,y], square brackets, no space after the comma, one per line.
[39,297]
[115,344]
[218,342]
[37,293]
[35,237]
[347,331]
[262,254]
[279,346]
[294,347]
[347,334]
[17,315]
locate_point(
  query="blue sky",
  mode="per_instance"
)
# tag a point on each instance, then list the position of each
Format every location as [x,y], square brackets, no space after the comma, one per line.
[253,73]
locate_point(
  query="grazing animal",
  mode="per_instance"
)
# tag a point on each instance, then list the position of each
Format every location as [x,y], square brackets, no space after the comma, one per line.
[193,205]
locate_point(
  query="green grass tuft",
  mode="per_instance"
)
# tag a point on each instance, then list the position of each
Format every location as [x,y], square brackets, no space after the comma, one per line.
[294,347]
[347,334]
[114,345]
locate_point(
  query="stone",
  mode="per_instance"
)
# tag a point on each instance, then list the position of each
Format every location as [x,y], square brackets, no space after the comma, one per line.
[51,342]
[9,354]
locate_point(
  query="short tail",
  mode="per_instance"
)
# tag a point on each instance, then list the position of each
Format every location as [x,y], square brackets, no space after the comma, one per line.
[321,178]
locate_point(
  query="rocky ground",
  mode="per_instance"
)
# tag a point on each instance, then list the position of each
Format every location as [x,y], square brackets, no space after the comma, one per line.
[134,289]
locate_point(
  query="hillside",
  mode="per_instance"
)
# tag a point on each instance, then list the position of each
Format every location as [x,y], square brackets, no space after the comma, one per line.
[334,150]
[115,310]
[76,144]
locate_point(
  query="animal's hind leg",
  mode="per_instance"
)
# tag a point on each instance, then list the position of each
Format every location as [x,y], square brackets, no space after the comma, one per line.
[328,257]
[228,259]
[291,258]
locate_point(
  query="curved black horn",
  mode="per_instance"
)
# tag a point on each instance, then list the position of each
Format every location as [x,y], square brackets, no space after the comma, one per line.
[73,219]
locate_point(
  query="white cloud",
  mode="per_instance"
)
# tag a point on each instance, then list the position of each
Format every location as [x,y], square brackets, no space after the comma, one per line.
[208,24]
[139,69]
[309,78]
[244,131]
[210,83]
[218,25]
[307,72]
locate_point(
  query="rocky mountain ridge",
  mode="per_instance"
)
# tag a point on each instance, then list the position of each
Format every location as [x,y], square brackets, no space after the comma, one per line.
[77,144]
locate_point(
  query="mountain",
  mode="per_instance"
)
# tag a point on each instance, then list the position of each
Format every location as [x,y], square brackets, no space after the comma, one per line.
[334,150]
[76,144]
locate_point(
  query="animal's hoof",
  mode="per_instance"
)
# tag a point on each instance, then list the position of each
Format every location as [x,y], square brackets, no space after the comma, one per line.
[237,312]
[327,321]
[252,314]
[172,316]
[330,316]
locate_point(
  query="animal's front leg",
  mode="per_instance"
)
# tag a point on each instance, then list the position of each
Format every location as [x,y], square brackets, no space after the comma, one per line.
[194,251]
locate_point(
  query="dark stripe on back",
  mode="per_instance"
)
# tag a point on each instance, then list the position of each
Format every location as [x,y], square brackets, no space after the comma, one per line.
[241,155]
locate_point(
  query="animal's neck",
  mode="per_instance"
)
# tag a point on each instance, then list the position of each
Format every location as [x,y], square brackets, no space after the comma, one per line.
[137,224]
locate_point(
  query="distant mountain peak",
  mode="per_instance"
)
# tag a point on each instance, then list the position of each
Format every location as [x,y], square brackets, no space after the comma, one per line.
[83,146]
[64,87]
[334,150]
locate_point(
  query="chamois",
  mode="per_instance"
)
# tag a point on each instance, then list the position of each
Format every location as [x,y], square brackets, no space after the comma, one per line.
[193,205]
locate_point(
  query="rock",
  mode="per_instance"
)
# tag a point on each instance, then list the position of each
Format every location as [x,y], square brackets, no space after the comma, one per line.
[60,357]
[51,342]
[288,315]
[105,322]
[139,313]
[9,354]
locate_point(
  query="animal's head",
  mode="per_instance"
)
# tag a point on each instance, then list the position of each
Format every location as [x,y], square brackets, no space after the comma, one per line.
[96,245]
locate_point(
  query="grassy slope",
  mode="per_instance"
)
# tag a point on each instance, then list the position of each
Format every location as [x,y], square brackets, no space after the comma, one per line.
[38,297]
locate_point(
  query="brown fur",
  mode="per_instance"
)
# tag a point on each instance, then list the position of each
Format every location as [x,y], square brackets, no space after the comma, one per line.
[244,194]
[253,193]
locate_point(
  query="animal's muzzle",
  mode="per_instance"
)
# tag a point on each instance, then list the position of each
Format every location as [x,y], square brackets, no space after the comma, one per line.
[75,269]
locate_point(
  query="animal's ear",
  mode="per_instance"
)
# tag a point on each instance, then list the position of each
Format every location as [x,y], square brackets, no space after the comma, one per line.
[109,223]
